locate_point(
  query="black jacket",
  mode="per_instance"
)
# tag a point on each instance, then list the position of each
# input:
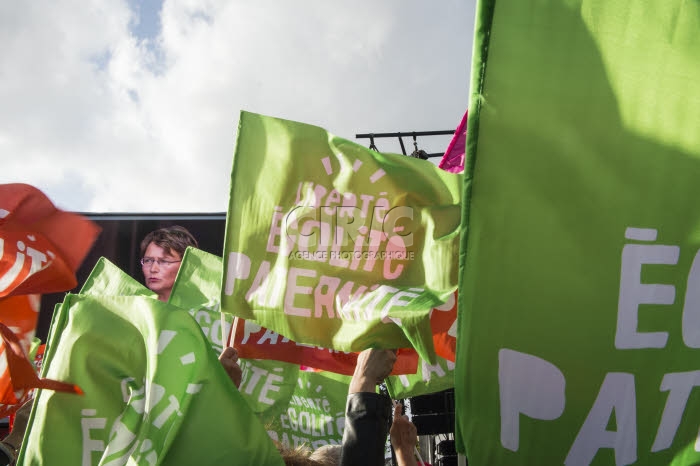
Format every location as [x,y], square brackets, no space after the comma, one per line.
[366,427]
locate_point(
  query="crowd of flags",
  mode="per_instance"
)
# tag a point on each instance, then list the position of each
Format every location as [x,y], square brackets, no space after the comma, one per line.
[113,343]
[545,270]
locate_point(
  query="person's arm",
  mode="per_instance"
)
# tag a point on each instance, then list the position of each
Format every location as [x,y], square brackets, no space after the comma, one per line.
[367,413]
[404,437]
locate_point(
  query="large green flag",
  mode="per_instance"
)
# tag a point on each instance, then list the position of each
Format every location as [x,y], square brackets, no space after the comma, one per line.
[332,244]
[579,320]
[155,394]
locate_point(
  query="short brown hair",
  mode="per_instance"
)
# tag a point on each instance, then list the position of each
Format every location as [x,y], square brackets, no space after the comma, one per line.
[172,239]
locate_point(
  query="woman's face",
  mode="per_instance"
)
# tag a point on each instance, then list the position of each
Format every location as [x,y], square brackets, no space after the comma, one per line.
[160,274]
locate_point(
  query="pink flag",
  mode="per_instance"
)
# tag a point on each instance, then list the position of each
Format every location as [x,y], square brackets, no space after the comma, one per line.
[453,160]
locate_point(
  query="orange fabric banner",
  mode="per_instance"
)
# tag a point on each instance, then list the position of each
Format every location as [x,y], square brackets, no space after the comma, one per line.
[19,314]
[18,376]
[443,323]
[255,342]
[41,246]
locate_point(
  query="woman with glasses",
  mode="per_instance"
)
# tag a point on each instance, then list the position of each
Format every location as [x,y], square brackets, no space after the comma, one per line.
[161,254]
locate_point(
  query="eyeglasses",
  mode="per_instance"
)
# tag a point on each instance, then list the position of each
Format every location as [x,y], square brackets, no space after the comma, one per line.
[148,261]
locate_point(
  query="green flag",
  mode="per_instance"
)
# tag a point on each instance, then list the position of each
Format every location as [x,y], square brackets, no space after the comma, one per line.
[579,323]
[155,394]
[296,406]
[332,244]
[107,279]
[197,289]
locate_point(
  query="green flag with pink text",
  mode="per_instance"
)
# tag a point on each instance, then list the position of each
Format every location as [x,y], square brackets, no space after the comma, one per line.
[579,300]
[154,392]
[335,245]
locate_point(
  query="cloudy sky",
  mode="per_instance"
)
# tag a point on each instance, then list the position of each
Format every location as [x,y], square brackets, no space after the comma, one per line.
[132,106]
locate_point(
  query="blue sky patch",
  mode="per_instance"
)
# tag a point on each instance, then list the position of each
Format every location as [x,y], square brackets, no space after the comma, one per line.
[147,24]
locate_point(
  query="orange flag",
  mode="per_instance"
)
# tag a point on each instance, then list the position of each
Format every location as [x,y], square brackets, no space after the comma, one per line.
[20,314]
[443,323]
[18,375]
[41,246]
[255,342]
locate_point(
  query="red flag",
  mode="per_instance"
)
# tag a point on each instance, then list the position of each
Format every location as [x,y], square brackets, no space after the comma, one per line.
[443,323]
[255,342]
[453,160]
[20,314]
[18,375]
[41,246]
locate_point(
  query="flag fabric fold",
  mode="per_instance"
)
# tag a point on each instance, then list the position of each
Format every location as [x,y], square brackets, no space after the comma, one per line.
[106,279]
[431,377]
[197,289]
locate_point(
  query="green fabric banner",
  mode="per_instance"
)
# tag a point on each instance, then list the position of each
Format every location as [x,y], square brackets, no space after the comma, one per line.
[296,406]
[197,289]
[335,245]
[579,322]
[155,394]
[109,280]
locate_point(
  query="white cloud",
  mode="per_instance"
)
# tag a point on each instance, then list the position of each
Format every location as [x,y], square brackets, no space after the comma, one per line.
[103,121]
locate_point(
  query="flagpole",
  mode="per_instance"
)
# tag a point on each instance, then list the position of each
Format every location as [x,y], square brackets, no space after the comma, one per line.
[232,335]
[224,338]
